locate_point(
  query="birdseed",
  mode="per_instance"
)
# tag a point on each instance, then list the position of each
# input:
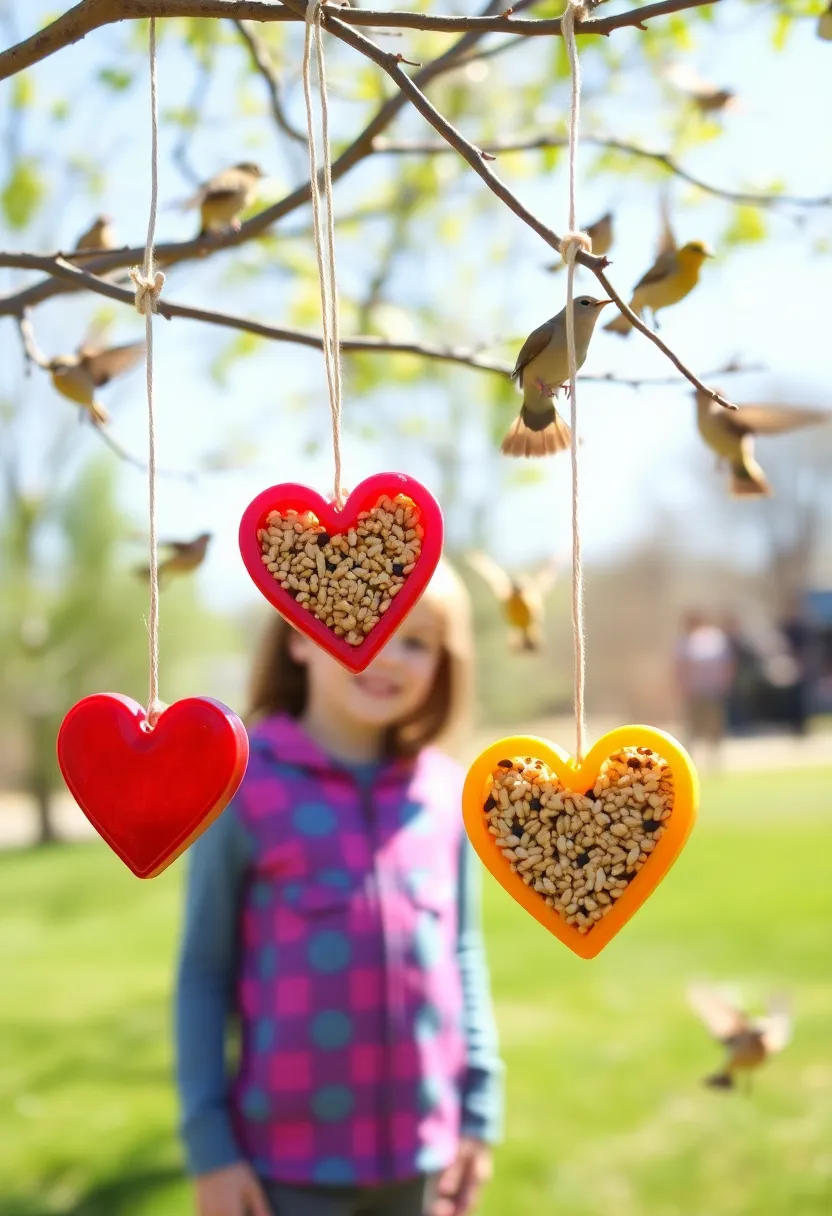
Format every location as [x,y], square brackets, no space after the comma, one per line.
[347,580]
[579,852]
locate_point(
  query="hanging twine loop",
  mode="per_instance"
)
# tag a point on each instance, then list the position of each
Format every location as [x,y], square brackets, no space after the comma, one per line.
[148,283]
[324,234]
[572,243]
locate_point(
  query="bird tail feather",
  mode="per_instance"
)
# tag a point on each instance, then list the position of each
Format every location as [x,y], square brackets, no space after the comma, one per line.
[537,434]
[748,479]
[720,1080]
[619,325]
[99,415]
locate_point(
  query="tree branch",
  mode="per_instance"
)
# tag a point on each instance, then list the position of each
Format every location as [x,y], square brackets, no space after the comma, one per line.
[460,356]
[170,253]
[89,15]
[665,159]
[263,64]
[474,156]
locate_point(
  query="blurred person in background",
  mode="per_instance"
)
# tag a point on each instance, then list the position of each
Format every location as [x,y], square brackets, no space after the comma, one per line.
[740,708]
[796,634]
[704,676]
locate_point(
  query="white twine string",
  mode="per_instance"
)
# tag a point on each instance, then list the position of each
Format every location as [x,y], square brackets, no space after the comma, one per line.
[324,251]
[148,283]
[569,246]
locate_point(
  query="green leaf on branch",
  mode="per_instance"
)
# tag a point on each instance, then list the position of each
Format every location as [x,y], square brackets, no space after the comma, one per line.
[117,79]
[23,193]
[747,227]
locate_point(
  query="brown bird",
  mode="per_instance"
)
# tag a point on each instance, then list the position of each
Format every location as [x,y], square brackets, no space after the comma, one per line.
[825,25]
[99,235]
[78,376]
[730,434]
[707,97]
[749,1042]
[185,556]
[601,235]
[542,368]
[521,598]
[225,196]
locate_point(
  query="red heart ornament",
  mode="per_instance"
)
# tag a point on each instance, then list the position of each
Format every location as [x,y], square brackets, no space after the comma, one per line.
[366,496]
[150,793]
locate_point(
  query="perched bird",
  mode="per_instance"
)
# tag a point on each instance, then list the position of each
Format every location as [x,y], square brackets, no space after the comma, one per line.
[99,235]
[730,433]
[521,598]
[78,376]
[672,276]
[225,196]
[184,556]
[707,97]
[601,235]
[542,367]
[749,1043]
[825,25]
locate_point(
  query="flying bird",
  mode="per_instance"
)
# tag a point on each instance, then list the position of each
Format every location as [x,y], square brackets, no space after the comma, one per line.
[748,1042]
[77,376]
[825,25]
[184,557]
[707,97]
[601,235]
[730,434]
[225,196]
[99,235]
[672,276]
[521,598]
[542,368]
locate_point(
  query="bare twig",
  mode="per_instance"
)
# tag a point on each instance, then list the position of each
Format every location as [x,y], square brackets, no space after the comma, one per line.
[474,157]
[665,159]
[263,64]
[89,15]
[460,356]
[168,254]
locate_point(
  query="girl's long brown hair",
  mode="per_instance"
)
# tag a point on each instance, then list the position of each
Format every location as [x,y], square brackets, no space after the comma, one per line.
[278,681]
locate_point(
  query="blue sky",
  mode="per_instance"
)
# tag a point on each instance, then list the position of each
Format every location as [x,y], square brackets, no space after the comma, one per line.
[640,454]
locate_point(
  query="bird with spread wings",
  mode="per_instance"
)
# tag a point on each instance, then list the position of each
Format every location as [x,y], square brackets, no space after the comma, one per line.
[519,596]
[749,1042]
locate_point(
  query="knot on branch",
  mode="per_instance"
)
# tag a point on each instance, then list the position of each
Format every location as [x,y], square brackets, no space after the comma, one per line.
[148,289]
[574,243]
[573,15]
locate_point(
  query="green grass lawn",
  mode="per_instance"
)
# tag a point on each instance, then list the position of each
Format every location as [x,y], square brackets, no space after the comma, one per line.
[606,1113]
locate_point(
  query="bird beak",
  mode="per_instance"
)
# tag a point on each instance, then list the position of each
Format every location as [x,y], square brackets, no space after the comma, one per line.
[603,303]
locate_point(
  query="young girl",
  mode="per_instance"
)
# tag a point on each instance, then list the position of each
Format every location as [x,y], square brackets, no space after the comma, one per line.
[333,909]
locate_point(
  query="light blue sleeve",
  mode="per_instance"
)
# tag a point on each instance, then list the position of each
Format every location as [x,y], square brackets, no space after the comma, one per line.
[218,862]
[482,1097]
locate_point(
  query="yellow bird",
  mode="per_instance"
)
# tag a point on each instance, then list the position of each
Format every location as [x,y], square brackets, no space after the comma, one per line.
[601,235]
[184,557]
[77,376]
[225,196]
[730,434]
[521,598]
[825,25]
[707,97]
[672,276]
[542,368]
[749,1043]
[99,235]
